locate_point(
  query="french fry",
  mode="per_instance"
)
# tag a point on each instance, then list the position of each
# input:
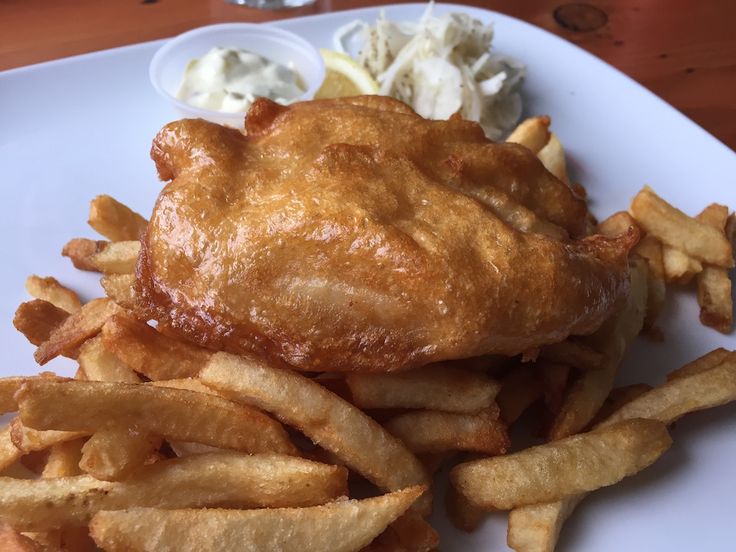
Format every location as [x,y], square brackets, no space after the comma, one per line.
[562,468]
[701,364]
[75,330]
[519,390]
[572,353]
[463,515]
[8,387]
[536,528]
[617,224]
[433,431]
[343,526]
[532,133]
[552,156]
[116,257]
[232,479]
[27,439]
[63,459]
[114,453]
[49,289]
[328,420]
[99,364]
[589,392]
[554,378]
[114,220]
[9,453]
[37,319]
[121,289]
[714,284]
[81,250]
[679,268]
[674,228]
[151,353]
[617,398]
[12,541]
[177,414]
[432,388]
[414,533]
[651,250]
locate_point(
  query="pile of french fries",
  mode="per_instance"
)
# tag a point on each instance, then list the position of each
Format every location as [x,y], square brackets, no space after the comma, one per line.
[158,444]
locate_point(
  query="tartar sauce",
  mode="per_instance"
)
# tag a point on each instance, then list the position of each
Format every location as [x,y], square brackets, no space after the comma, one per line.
[229,79]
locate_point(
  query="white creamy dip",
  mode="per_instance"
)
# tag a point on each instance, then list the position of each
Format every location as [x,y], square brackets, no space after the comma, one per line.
[230,79]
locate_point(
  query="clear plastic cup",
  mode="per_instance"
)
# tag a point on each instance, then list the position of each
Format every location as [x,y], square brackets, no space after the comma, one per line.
[170,61]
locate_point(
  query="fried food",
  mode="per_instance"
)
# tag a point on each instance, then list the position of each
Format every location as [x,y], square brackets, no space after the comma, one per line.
[353,235]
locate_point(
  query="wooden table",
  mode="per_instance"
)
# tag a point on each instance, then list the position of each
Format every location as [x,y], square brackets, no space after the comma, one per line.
[682,50]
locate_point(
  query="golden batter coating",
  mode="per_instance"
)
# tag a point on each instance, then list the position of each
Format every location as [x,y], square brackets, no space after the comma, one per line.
[353,234]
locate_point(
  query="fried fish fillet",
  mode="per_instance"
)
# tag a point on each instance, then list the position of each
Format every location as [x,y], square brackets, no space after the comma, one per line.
[352,234]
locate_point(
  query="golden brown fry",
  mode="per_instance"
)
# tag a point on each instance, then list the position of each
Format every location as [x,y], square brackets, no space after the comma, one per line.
[114,220]
[519,390]
[114,453]
[679,268]
[328,420]
[552,156]
[121,289]
[31,440]
[714,284]
[80,250]
[117,257]
[682,395]
[170,413]
[63,459]
[9,453]
[562,468]
[37,319]
[414,533]
[554,384]
[151,353]
[99,364]
[532,133]
[433,431]
[589,392]
[573,353]
[536,528]
[228,479]
[8,387]
[49,289]
[701,364]
[343,526]
[12,541]
[650,249]
[463,515]
[617,224]
[434,387]
[674,228]
[617,398]
[75,330]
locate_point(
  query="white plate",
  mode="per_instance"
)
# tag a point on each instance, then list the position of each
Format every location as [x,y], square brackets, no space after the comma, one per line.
[82,126]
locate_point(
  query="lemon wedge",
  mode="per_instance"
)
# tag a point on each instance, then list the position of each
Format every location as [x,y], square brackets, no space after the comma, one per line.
[344,77]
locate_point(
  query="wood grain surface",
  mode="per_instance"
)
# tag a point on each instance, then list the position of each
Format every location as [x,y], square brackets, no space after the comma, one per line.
[682,50]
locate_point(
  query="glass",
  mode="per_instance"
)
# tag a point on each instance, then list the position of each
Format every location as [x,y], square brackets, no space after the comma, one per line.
[272,4]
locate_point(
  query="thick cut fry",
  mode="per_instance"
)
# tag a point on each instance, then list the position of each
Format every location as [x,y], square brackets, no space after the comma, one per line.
[99,364]
[227,479]
[121,289]
[682,395]
[519,390]
[12,541]
[532,133]
[463,515]
[112,454]
[617,224]
[75,330]
[617,398]
[170,413]
[9,386]
[590,391]
[650,249]
[63,459]
[49,289]
[674,228]
[433,431]
[433,388]
[554,384]
[37,319]
[81,250]
[714,284]
[701,364]
[114,220]
[328,420]
[343,526]
[151,353]
[31,440]
[552,156]
[567,467]
[414,533]
[536,528]
[117,257]
[9,453]
[679,268]
[572,353]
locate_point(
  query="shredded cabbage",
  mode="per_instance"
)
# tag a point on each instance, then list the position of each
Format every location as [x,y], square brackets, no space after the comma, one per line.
[441,66]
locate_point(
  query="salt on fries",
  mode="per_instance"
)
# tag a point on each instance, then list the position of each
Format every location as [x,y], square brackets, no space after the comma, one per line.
[109,435]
